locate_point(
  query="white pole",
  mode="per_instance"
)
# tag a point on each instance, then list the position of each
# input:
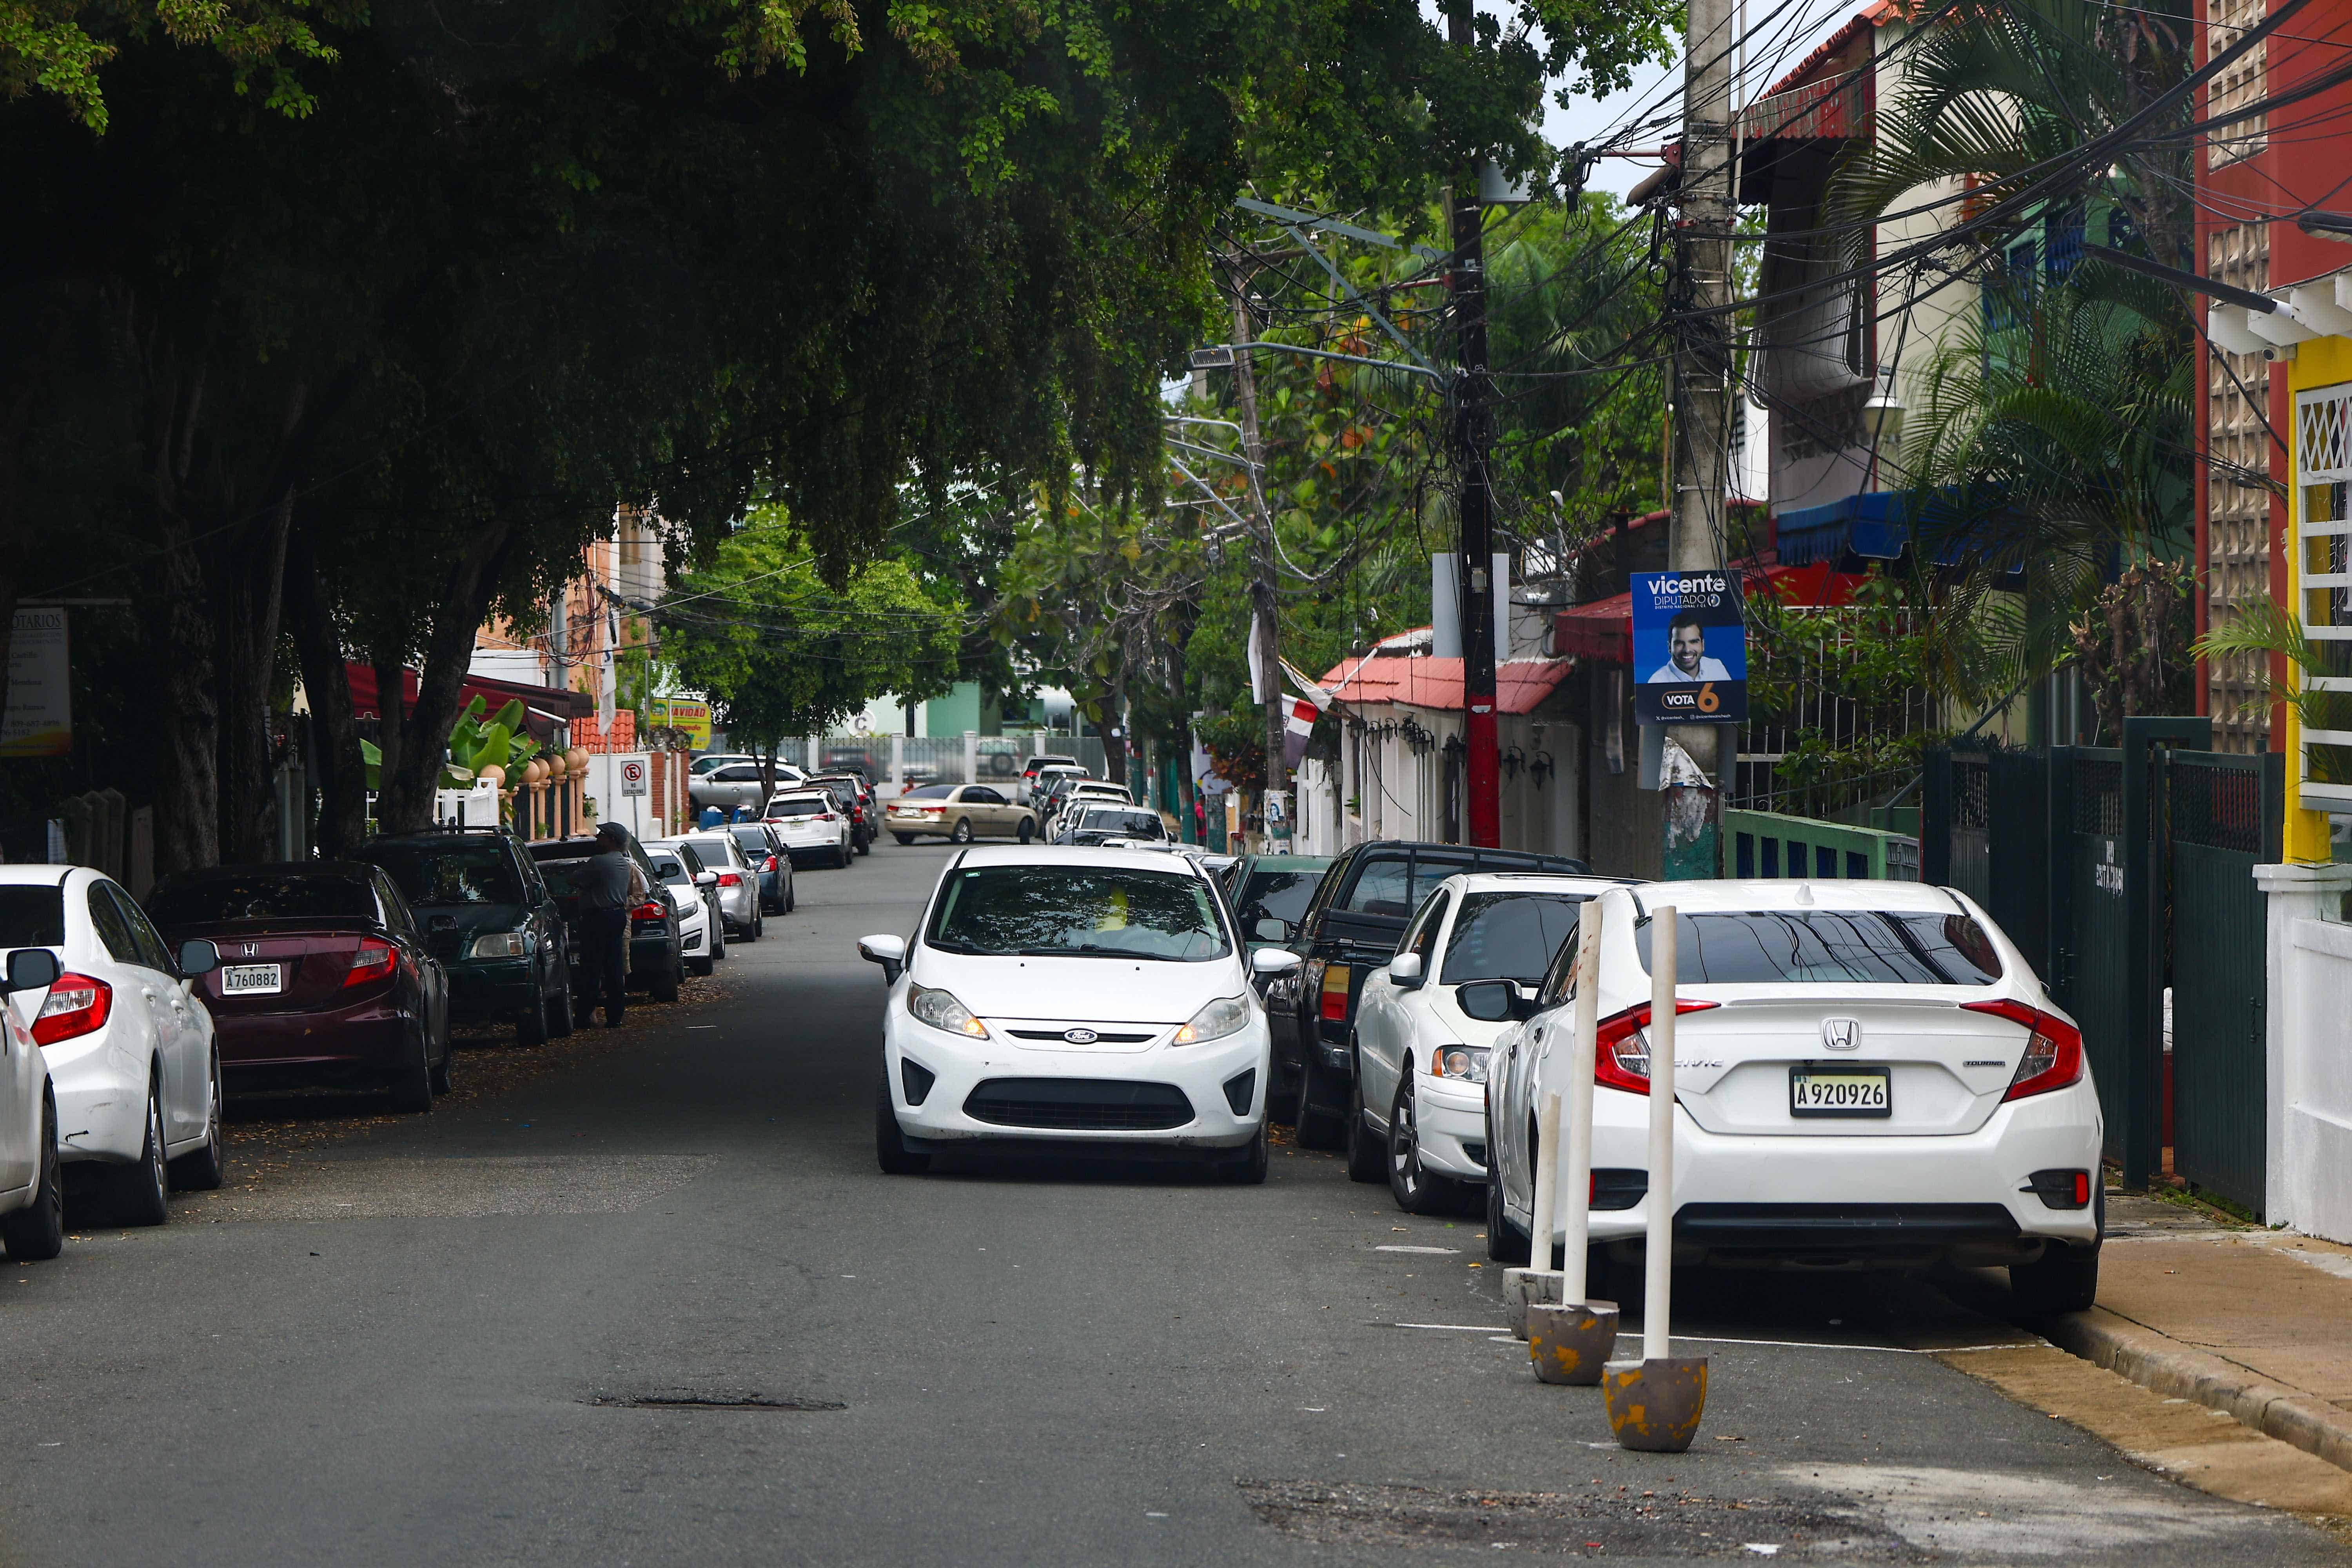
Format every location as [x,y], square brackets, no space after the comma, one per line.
[1658,1274]
[1539,1216]
[1573,1285]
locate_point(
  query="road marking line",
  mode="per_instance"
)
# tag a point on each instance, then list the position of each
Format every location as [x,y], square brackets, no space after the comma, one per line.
[1781,1344]
[1456,1327]
[1439,1251]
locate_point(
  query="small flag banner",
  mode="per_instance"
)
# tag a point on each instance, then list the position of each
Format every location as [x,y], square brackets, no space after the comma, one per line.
[1296,729]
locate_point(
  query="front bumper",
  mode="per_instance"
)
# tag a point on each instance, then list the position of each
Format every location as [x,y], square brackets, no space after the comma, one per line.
[1793,1198]
[486,988]
[957,1066]
[1451,1118]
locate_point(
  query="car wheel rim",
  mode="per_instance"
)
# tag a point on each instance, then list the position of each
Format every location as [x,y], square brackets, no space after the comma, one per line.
[155,1141]
[1404,1146]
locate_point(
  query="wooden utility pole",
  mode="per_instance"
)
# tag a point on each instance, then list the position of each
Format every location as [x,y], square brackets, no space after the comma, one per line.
[1474,589]
[1266,628]
[1702,363]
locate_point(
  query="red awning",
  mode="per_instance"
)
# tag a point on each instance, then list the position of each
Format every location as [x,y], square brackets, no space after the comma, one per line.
[1604,628]
[1436,683]
[548,706]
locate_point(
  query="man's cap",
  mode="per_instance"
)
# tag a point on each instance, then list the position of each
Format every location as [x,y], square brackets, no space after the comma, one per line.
[610,829]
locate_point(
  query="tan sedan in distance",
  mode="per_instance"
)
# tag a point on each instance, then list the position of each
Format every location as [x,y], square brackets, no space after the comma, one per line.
[960,813]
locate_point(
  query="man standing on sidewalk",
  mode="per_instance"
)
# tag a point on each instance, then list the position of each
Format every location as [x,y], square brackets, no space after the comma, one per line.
[609,888]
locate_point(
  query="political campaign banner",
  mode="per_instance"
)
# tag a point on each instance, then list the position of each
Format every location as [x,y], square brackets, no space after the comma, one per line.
[1690,648]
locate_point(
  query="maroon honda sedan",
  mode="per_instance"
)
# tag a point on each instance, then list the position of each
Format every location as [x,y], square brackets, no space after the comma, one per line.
[324,977]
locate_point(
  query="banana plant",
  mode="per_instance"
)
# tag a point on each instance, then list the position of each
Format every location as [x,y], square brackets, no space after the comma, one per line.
[473,746]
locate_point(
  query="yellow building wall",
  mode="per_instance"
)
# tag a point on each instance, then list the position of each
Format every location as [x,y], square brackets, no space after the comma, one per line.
[2322,361]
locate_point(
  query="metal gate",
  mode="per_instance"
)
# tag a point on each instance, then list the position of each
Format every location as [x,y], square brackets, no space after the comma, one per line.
[2220,816]
[2090,971]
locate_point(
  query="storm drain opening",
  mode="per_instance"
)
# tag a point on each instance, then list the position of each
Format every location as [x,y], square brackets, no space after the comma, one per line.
[1665,1524]
[728,1401]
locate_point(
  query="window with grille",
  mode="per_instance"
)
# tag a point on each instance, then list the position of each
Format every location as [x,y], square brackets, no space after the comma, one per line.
[2323,531]
[2239,85]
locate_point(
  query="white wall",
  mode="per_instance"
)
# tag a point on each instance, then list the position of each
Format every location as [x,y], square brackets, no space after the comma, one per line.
[2308,1184]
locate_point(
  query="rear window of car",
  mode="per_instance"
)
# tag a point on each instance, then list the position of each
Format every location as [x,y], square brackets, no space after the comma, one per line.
[260,896]
[929,792]
[1087,912]
[32,916]
[799,806]
[1828,947]
[462,871]
[1508,936]
[1123,824]
[714,850]
[1384,887]
[751,838]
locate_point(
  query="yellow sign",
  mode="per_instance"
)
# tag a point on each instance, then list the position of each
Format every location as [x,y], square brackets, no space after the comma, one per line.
[684,713]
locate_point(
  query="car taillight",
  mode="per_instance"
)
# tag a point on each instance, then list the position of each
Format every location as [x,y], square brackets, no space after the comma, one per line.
[1621,1059]
[76,1004]
[826,816]
[373,960]
[730,879]
[1335,994]
[2054,1053]
[651,909]
[770,865]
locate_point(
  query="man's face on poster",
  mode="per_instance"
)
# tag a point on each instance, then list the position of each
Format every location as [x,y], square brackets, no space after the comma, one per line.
[1687,644]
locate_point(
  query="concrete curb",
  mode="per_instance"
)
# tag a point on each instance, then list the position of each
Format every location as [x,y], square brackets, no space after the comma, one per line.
[2157,1362]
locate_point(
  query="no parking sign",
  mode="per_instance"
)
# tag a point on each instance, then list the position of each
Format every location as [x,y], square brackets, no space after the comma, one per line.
[633,776]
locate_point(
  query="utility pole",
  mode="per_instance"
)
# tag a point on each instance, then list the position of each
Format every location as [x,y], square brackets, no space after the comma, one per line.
[1695,537]
[1473,560]
[1266,630]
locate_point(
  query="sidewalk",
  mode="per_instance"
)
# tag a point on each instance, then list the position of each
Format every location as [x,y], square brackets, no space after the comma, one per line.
[2257,1323]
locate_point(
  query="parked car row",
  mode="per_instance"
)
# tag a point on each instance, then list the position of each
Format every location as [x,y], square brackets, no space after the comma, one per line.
[1869,1074]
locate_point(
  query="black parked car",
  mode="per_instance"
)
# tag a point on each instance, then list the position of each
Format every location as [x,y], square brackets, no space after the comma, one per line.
[1351,926]
[490,919]
[657,961]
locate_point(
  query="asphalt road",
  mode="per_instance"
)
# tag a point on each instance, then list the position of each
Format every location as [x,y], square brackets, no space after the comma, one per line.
[446,1339]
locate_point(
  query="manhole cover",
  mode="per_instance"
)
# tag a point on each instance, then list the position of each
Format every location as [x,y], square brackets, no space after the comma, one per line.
[1676,1524]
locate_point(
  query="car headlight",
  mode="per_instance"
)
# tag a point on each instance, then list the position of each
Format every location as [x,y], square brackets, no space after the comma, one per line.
[1467,1063]
[941,1010]
[1225,1015]
[501,945]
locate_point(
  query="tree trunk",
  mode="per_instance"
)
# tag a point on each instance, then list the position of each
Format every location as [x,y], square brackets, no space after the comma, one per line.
[405,795]
[335,735]
[252,593]
[187,797]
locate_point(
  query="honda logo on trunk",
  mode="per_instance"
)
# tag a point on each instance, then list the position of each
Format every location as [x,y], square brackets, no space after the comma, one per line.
[1842,1034]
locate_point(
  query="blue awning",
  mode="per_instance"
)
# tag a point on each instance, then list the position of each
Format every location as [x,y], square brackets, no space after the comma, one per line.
[1874,525]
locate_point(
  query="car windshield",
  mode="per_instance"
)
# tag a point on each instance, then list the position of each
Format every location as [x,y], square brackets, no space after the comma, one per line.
[799,806]
[1278,895]
[260,896]
[1829,947]
[1122,824]
[714,850]
[1099,911]
[1508,936]
[462,871]
[33,915]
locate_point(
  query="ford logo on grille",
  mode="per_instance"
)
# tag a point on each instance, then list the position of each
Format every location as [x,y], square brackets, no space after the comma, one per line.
[1080,1036]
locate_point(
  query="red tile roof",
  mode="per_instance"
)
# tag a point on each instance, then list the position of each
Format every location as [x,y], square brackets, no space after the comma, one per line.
[1436,683]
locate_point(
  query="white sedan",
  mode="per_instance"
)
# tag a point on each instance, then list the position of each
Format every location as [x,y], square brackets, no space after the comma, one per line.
[1056,999]
[32,1190]
[1868,1074]
[130,1049]
[1419,1120]
[701,929]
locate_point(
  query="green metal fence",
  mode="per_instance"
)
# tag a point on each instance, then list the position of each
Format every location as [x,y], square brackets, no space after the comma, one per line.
[1767,844]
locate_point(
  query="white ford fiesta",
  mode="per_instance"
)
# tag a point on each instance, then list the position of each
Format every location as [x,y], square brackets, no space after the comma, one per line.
[1053,999]
[1868,1074]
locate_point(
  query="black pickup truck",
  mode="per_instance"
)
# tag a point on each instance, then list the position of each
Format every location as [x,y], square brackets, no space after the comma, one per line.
[1351,926]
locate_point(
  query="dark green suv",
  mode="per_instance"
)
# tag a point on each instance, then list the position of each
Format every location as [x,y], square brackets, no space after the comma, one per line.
[489,917]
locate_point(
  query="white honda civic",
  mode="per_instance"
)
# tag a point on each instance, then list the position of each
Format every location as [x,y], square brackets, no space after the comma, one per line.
[1055,999]
[1868,1074]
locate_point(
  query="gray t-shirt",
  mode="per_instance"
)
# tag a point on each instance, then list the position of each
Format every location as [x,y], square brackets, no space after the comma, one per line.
[604,882]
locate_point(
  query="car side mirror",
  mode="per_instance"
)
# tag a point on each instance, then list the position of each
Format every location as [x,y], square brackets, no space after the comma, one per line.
[31,968]
[1274,961]
[197,956]
[889,952]
[706,879]
[1404,970]
[1489,1000]
[1268,929]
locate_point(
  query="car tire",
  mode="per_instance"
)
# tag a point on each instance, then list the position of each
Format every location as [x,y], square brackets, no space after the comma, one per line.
[903,838]
[530,1027]
[749,932]
[140,1191]
[699,967]
[558,1008]
[1416,1189]
[1248,1169]
[665,988]
[1028,830]
[890,1149]
[1504,1243]
[1318,1127]
[1368,1152]
[412,1087]
[201,1172]
[718,940]
[36,1233]
[792,898]
[866,843]
[2062,1280]
[443,1074]
[963,834]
